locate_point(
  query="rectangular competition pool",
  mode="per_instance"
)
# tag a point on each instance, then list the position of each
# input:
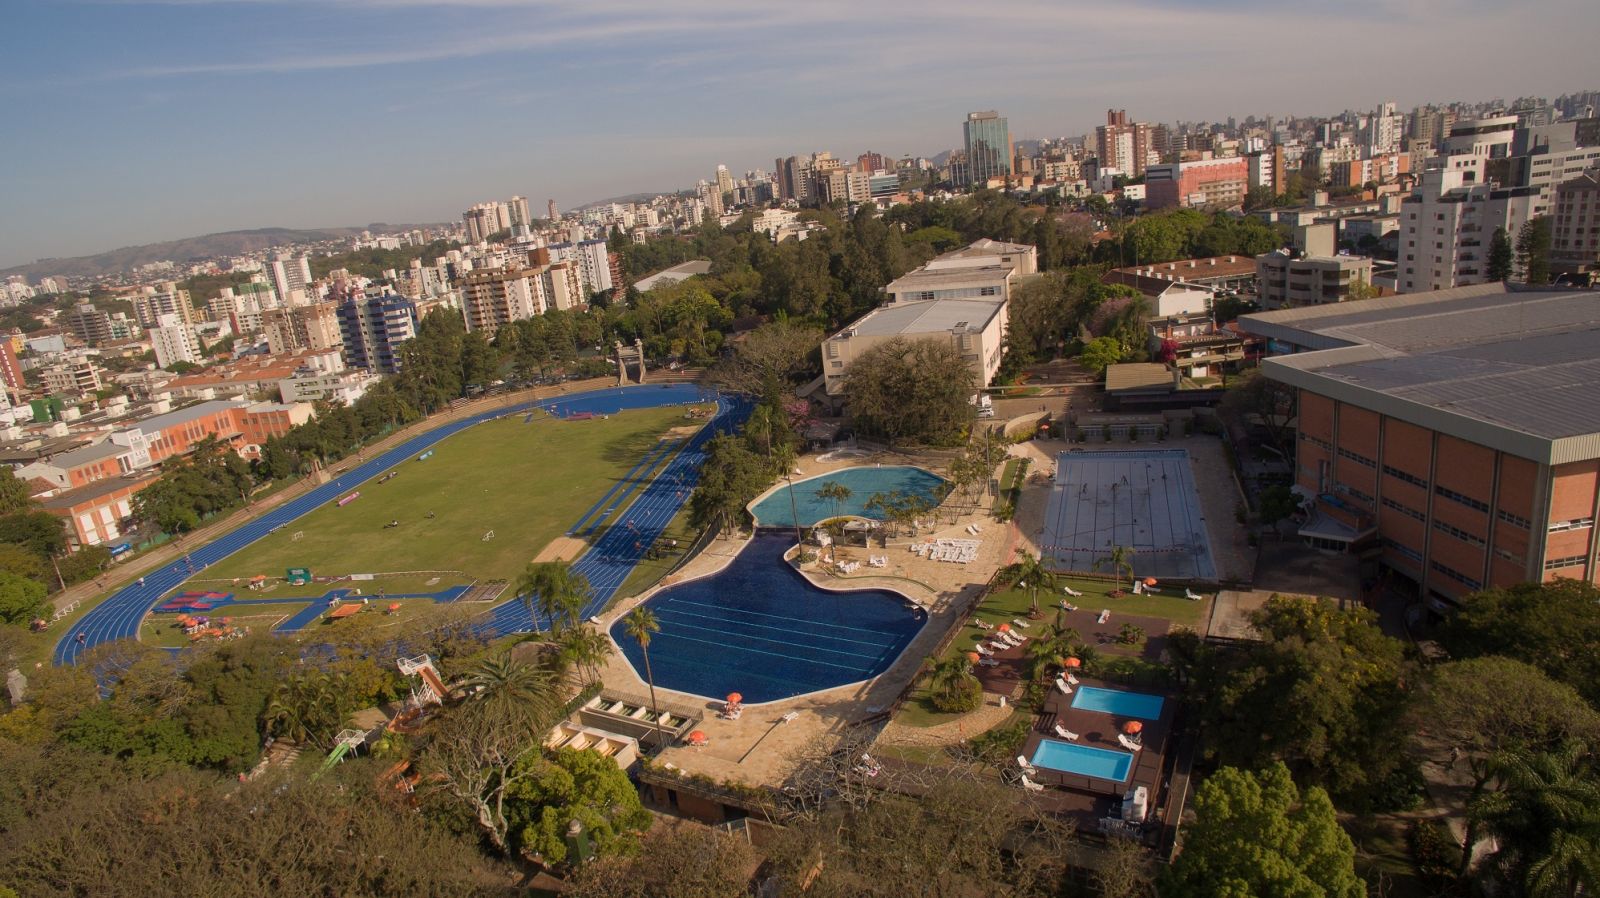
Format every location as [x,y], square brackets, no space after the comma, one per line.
[1114,701]
[1069,757]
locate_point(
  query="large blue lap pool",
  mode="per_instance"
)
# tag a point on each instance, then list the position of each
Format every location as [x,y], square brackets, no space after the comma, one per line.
[1084,760]
[778,508]
[759,628]
[1118,702]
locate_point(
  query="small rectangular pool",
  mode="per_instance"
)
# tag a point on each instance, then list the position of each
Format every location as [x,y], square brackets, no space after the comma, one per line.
[1115,701]
[1069,757]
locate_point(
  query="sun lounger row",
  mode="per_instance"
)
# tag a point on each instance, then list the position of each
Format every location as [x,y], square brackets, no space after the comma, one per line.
[877,560]
[959,551]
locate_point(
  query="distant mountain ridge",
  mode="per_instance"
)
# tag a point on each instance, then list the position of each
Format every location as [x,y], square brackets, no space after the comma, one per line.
[190,249]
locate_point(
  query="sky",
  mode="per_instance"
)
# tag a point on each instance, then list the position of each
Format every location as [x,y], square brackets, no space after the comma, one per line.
[130,122]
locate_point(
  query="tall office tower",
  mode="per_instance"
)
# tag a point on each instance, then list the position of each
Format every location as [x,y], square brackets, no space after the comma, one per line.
[373,328]
[1123,146]
[551,212]
[291,279]
[517,211]
[724,180]
[988,141]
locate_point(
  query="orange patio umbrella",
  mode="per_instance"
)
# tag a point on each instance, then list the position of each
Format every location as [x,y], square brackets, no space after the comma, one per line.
[394,606]
[974,657]
[1150,581]
[697,737]
[735,698]
[1073,662]
[1004,628]
[1133,727]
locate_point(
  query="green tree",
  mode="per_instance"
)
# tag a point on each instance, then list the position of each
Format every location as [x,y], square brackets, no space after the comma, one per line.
[672,862]
[1256,836]
[17,560]
[21,599]
[586,648]
[14,493]
[1545,822]
[1119,559]
[1032,574]
[770,359]
[1489,706]
[1277,503]
[911,391]
[570,785]
[1321,692]
[1553,626]
[558,592]
[309,708]
[730,478]
[834,493]
[640,624]
[1533,250]
[1500,256]
[952,685]
[480,363]
[1100,353]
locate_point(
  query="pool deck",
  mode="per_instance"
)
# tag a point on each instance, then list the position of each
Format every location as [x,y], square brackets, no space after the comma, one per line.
[732,751]
[1099,730]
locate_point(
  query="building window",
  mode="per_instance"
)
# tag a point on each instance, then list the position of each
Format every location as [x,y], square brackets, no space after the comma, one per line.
[1357,458]
[1574,524]
[1456,575]
[1460,498]
[1315,441]
[1458,533]
[1402,475]
[1406,510]
[1508,555]
[1403,549]
[1570,561]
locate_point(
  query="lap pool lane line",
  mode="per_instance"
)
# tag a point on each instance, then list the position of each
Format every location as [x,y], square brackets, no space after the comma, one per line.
[119,615]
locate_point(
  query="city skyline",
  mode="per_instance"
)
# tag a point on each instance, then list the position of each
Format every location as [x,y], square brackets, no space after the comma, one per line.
[173,119]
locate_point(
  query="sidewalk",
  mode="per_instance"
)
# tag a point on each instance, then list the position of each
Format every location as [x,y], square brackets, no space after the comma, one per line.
[119,576]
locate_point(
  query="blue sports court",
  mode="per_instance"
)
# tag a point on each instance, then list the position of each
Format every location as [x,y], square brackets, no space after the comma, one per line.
[1144,499]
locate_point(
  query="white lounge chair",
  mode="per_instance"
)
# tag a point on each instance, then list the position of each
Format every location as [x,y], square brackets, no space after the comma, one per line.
[1072,592]
[1105,615]
[1138,588]
[982,649]
[1019,622]
[1066,734]
[1062,685]
[1191,595]
[1030,785]
[1127,743]
[1026,767]
[1071,680]
[1151,591]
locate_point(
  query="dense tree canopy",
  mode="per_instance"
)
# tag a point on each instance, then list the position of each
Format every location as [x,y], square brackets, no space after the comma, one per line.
[911,391]
[1553,626]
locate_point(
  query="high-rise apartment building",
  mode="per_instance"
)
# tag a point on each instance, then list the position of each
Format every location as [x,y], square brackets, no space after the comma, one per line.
[89,324]
[1201,184]
[1446,226]
[593,260]
[373,328]
[150,303]
[485,219]
[1123,146]
[870,162]
[551,212]
[291,279]
[173,341]
[493,297]
[1575,225]
[302,328]
[987,137]
[724,180]
[517,212]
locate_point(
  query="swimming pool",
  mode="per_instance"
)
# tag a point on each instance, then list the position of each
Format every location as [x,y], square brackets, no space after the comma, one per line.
[1115,701]
[1084,760]
[759,628]
[775,509]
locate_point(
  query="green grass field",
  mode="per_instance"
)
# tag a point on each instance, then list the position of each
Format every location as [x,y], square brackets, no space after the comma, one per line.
[526,482]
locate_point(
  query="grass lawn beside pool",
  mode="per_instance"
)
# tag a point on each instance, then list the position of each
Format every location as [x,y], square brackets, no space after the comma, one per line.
[528,483]
[1002,606]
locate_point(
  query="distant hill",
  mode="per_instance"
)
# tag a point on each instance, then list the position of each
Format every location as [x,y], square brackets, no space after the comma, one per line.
[190,249]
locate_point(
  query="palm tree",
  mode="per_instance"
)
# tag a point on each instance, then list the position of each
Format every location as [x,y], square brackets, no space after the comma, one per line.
[835,492]
[1032,574]
[951,679]
[514,691]
[307,708]
[1546,822]
[586,648]
[640,624]
[557,591]
[1120,558]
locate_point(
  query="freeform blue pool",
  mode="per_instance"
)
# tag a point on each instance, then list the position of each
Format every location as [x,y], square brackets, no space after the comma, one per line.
[1115,701]
[776,510]
[1084,760]
[759,628]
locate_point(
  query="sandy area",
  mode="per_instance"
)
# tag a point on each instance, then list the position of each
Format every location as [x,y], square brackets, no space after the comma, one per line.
[562,548]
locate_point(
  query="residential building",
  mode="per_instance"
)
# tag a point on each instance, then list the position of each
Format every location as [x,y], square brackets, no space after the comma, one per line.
[485,219]
[10,370]
[552,212]
[1123,146]
[1455,433]
[91,325]
[173,341]
[1284,281]
[75,379]
[99,512]
[1575,225]
[1265,169]
[1446,225]
[150,303]
[253,376]
[1196,345]
[291,279]
[312,327]
[1205,183]
[593,259]
[1213,273]
[372,329]
[517,212]
[987,137]
[495,296]
[341,387]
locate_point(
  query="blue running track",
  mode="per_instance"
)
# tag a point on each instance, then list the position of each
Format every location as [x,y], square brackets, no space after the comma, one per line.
[606,564]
